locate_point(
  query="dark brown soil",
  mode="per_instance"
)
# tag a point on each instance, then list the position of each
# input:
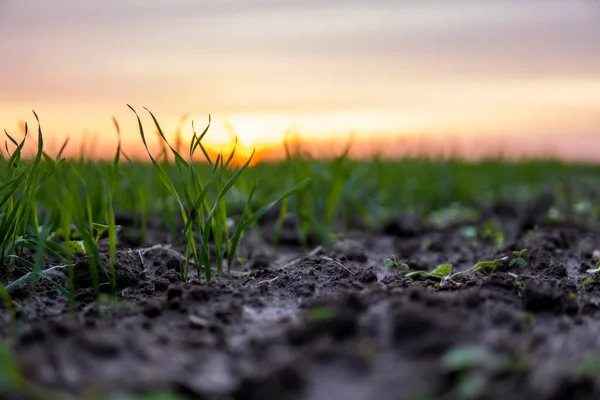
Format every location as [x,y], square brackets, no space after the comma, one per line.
[333,323]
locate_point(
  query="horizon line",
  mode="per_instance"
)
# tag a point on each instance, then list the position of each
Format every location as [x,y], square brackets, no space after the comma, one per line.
[467,148]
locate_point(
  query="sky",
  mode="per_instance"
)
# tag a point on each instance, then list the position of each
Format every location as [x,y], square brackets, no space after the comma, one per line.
[526,73]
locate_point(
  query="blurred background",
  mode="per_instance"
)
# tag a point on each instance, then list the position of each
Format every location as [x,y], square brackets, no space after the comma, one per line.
[474,78]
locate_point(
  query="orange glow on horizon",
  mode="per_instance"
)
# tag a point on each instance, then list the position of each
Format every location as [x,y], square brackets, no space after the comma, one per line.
[544,114]
[468,147]
[552,110]
[424,76]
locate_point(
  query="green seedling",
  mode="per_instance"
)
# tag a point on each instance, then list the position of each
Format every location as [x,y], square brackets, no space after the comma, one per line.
[108,304]
[445,275]
[475,366]
[586,281]
[590,281]
[518,258]
[77,246]
[485,267]
[471,386]
[572,295]
[499,239]
[426,244]
[471,363]
[321,313]
[595,270]
[441,272]
[392,262]
[488,229]
[475,357]
[527,318]
[453,214]
[589,366]
[202,220]
[491,230]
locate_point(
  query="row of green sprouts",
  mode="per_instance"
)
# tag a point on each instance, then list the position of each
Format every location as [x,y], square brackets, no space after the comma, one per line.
[55,209]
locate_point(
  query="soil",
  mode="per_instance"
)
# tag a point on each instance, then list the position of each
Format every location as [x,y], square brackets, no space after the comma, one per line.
[331,322]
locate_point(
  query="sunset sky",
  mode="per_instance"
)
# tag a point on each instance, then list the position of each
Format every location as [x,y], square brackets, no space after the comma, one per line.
[492,70]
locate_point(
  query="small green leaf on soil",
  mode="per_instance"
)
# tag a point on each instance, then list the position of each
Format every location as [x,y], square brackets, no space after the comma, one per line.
[442,271]
[590,365]
[473,357]
[322,313]
[75,246]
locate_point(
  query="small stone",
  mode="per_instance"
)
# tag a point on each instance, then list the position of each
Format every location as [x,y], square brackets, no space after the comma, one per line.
[198,322]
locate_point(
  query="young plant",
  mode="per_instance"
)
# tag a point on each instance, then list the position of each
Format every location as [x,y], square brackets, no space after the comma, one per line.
[491,230]
[18,222]
[444,271]
[518,258]
[88,231]
[194,194]
[441,272]
[586,281]
[323,313]
[111,188]
[392,262]
[589,365]
[485,267]
[201,219]
[594,270]
[70,237]
[475,366]
[246,222]
[19,217]
[590,281]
